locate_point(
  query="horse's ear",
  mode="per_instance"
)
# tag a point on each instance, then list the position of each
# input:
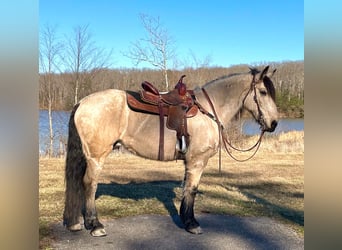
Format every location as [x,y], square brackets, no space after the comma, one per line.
[264,72]
[270,75]
[254,71]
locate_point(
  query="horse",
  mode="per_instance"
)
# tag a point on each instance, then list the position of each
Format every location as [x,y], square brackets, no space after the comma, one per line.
[103,119]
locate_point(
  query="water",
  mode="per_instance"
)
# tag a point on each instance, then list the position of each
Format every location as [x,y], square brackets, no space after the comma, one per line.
[61,120]
[250,127]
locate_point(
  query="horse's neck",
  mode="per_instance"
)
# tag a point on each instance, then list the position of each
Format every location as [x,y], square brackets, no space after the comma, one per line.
[227,97]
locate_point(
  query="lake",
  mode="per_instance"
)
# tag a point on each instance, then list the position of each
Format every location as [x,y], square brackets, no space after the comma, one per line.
[61,120]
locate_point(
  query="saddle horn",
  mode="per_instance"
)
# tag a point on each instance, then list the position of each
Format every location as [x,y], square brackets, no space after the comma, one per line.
[181,79]
[180,86]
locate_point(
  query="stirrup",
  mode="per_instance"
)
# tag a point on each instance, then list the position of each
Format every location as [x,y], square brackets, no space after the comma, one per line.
[181,145]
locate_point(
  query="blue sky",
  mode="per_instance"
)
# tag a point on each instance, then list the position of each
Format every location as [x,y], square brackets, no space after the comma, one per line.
[229,32]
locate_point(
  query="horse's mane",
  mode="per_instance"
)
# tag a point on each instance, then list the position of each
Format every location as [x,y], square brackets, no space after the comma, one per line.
[267,81]
[226,76]
[270,87]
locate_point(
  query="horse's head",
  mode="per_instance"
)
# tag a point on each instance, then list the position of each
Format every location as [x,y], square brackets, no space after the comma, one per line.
[260,100]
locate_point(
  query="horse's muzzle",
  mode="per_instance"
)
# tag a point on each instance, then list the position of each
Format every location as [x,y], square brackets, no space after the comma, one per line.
[273,126]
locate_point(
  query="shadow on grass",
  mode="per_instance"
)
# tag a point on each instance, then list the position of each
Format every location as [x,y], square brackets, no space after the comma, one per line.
[163,191]
[275,190]
[265,193]
[295,216]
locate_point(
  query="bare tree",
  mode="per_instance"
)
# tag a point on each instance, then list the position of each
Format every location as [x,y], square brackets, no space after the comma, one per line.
[49,55]
[83,58]
[200,63]
[157,48]
[201,66]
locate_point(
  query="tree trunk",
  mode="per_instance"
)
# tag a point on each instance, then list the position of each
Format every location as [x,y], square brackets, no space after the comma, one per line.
[76,91]
[50,128]
[166,79]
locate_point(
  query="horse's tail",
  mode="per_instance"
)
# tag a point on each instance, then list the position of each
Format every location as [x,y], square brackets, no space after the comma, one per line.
[74,171]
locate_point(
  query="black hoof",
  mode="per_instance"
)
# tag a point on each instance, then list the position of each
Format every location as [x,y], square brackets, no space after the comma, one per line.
[193,227]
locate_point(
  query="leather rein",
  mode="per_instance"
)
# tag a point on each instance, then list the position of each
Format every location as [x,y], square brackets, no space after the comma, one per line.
[222,137]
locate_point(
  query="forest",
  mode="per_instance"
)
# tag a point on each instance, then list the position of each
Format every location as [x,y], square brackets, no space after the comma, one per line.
[58,89]
[74,67]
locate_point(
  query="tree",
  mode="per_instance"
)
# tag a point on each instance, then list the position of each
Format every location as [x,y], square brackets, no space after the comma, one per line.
[197,62]
[201,66]
[49,55]
[83,59]
[157,48]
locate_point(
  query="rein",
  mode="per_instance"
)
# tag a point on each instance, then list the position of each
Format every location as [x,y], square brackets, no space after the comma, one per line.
[222,137]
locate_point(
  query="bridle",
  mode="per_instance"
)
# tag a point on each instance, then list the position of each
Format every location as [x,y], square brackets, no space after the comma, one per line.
[260,117]
[222,137]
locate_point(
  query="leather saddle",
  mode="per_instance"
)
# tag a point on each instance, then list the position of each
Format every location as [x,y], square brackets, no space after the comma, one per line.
[177,105]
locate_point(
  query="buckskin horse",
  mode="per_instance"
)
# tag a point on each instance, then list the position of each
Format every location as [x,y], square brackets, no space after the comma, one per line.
[104,119]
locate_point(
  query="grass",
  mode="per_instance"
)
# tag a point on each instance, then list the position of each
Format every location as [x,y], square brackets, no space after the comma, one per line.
[270,184]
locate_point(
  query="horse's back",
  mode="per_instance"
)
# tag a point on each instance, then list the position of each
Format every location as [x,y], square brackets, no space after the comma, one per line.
[101,104]
[105,97]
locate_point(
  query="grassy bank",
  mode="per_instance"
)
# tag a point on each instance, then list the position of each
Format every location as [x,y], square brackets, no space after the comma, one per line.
[271,184]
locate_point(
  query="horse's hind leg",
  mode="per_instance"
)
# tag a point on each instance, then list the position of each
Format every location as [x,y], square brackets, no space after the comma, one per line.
[90,180]
[193,172]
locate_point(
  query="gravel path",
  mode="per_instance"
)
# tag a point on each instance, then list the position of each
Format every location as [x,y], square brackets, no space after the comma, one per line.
[165,232]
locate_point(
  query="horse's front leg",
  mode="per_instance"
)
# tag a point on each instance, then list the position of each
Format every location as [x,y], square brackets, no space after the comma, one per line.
[193,172]
[90,180]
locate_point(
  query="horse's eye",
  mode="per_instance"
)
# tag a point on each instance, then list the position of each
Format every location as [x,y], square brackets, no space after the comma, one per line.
[263,92]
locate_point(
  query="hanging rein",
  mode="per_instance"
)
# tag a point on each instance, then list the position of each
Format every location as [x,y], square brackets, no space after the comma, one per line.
[222,137]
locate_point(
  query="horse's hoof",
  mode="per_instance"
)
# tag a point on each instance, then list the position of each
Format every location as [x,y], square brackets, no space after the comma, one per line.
[75,228]
[195,230]
[98,232]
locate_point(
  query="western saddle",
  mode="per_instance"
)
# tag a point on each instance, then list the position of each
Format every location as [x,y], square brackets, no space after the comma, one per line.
[177,105]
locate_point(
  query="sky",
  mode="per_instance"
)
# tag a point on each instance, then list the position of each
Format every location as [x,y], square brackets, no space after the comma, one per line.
[228,32]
